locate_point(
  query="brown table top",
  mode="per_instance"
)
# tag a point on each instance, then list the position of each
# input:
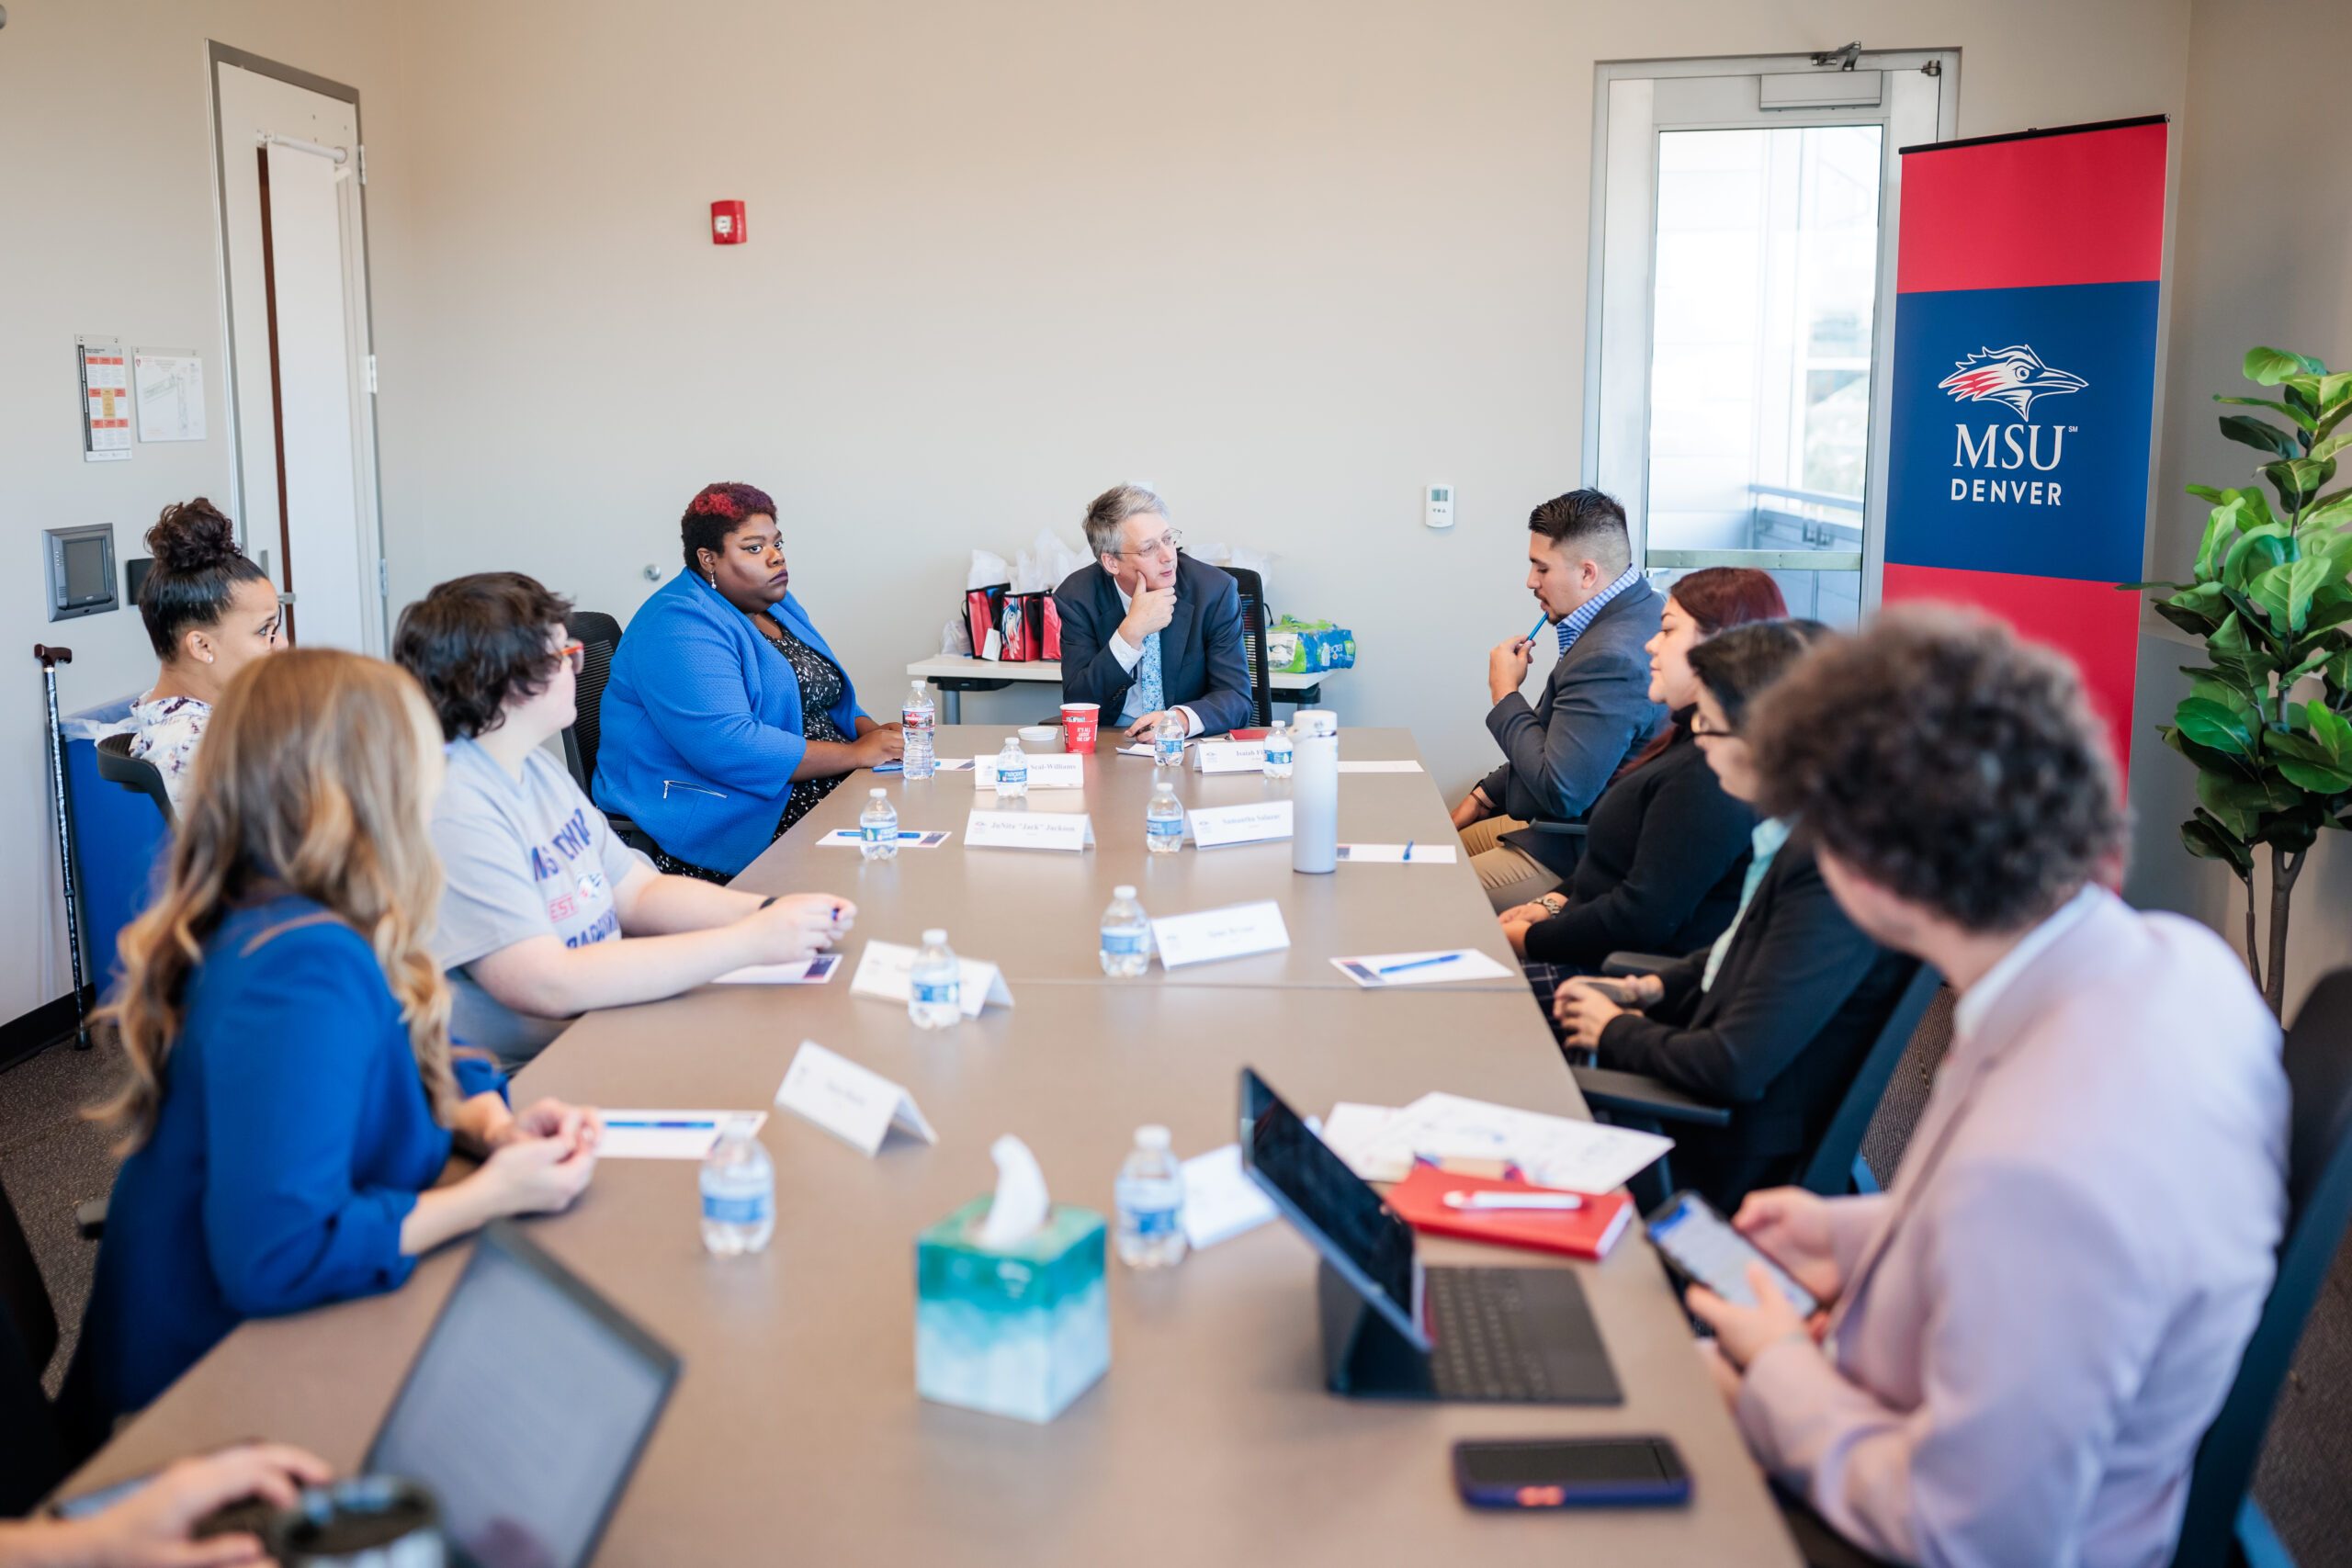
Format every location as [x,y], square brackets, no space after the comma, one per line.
[796,1431]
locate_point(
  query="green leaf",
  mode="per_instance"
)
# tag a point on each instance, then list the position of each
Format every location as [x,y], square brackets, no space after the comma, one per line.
[2210,724]
[2234,803]
[2298,480]
[2257,506]
[2297,415]
[2336,391]
[2304,577]
[2333,510]
[2260,434]
[2205,838]
[2269,366]
[2330,446]
[2338,672]
[2254,552]
[2331,732]
[2211,686]
[2197,610]
[2320,778]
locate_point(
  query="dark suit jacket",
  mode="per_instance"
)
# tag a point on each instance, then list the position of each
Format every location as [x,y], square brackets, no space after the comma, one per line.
[1595,710]
[1665,853]
[1201,661]
[1778,1038]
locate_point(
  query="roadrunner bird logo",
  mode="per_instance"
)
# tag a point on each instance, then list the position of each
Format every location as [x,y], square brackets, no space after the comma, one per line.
[2015,375]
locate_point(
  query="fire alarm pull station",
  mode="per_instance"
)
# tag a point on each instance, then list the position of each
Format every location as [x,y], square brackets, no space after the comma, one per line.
[727,223]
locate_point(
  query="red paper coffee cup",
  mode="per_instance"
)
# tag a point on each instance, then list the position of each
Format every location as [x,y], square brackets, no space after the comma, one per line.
[1079,720]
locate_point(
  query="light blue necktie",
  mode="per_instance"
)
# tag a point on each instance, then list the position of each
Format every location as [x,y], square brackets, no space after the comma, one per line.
[1147,687]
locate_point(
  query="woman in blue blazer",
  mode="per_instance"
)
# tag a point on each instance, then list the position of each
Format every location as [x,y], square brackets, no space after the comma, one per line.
[726,717]
[293,1099]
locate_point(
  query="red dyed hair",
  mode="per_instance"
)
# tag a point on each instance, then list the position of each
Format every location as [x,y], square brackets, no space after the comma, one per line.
[1717,598]
[716,512]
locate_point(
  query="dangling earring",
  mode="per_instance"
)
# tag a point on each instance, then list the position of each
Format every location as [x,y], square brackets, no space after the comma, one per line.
[713,581]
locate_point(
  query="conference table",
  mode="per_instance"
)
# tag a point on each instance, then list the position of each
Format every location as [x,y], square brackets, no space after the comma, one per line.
[796,1434]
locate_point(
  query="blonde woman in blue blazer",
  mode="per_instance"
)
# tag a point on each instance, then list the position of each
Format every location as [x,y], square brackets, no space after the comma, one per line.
[726,717]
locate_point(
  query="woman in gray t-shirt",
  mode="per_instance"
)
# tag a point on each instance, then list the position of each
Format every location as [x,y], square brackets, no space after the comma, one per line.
[534,874]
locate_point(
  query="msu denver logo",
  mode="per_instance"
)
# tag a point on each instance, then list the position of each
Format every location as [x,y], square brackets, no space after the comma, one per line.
[2015,375]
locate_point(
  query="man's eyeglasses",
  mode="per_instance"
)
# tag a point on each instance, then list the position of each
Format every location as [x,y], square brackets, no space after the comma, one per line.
[1701,730]
[574,654]
[1167,544]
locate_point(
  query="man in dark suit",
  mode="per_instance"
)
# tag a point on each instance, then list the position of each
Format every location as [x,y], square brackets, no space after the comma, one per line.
[1145,630]
[1596,707]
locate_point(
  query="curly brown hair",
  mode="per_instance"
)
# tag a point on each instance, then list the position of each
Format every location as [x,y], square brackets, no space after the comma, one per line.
[1948,762]
[477,643]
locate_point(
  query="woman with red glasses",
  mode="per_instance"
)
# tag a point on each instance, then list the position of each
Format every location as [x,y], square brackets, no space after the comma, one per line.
[544,913]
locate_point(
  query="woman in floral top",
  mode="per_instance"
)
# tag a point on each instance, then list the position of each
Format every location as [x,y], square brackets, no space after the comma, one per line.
[209,612]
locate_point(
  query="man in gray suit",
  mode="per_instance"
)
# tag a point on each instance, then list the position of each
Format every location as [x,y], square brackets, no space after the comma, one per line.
[2028,1333]
[1595,710]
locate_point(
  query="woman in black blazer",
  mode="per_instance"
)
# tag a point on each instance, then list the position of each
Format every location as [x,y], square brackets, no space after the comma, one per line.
[1664,847]
[1773,1019]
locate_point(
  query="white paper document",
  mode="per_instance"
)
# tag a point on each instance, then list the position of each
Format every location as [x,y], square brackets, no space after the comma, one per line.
[1550,1151]
[885,970]
[1071,830]
[1220,1200]
[853,1103]
[1379,767]
[1145,748]
[170,384]
[668,1134]
[1353,1134]
[909,838]
[1045,772]
[1414,854]
[1229,757]
[808,971]
[1429,968]
[1236,931]
[1260,822]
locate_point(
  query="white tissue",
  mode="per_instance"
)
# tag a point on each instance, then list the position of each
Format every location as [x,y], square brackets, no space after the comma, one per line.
[1018,1211]
[956,639]
[1043,567]
[988,571]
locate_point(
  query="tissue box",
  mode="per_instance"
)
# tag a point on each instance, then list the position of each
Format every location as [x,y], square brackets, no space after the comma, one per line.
[1308,648]
[1021,1332]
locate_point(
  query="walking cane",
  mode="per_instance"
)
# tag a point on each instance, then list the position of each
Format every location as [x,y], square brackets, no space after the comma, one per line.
[51,657]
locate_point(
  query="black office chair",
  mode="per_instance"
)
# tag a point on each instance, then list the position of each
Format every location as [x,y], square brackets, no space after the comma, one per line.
[600,636]
[1253,643]
[1835,1168]
[33,1452]
[118,766]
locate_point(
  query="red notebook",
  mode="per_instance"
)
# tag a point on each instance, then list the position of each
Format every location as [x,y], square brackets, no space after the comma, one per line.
[1589,1232]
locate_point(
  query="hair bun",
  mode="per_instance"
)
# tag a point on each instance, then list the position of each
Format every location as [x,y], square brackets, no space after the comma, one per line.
[193,536]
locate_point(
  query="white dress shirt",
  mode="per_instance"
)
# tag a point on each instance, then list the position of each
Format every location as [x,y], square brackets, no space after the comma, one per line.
[1127,654]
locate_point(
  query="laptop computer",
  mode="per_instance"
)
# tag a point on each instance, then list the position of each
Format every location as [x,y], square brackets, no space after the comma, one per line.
[1394,1328]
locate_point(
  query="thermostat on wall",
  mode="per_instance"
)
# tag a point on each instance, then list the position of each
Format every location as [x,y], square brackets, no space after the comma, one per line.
[1437,506]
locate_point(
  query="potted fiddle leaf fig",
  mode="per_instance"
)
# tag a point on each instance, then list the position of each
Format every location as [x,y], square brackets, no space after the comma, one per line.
[2268,721]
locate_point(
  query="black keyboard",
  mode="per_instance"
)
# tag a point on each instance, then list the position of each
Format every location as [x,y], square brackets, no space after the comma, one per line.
[1486,1346]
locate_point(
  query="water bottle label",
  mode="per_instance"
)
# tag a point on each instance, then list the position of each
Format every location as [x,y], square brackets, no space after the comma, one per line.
[1012,776]
[870,831]
[754,1210]
[1153,1223]
[941,993]
[1123,943]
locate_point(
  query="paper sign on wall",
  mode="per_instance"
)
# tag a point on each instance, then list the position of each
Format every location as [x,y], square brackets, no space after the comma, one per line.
[853,1103]
[106,398]
[170,386]
[1233,932]
[1260,822]
[885,970]
[1029,830]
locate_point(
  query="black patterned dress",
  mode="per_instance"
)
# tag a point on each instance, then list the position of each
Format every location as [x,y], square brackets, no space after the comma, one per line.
[822,685]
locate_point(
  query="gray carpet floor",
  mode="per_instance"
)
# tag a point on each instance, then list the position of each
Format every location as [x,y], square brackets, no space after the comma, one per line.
[52,1158]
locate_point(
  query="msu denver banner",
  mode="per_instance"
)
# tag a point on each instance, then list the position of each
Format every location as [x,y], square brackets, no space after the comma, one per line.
[2025,358]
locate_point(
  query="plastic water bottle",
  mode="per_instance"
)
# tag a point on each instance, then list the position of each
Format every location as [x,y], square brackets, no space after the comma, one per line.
[933,999]
[1277,751]
[1127,936]
[877,827]
[737,1192]
[1151,1203]
[1168,741]
[918,719]
[1011,769]
[1163,819]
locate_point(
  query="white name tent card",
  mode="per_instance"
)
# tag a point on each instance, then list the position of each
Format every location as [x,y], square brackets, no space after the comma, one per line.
[1416,853]
[808,971]
[885,970]
[1220,1200]
[1379,767]
[1229,757]
[908,839]
[1420,968]
[1259,822]
[668,1134]
[1235,931]
[1029,830]
[1047,771]
[856,1104]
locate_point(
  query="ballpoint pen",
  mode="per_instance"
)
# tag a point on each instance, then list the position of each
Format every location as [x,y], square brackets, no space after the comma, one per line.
[1409,849]
[1535,1202]
[665,1125]
[1541,622]
[1419,963]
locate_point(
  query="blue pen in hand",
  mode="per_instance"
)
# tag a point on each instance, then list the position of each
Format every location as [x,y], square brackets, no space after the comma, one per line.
[1419,963]
[1541,622]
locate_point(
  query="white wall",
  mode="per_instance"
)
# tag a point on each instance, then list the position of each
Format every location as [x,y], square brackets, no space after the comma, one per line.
[2258,257]
[107,208]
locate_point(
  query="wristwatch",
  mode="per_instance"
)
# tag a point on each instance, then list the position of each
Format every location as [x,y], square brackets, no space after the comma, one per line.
[1553,903]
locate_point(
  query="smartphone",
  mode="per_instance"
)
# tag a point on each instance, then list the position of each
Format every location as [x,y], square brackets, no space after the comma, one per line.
[1575,1472]
[1704,1249]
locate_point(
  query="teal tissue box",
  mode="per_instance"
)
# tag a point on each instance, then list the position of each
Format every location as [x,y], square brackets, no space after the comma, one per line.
[1021,1332]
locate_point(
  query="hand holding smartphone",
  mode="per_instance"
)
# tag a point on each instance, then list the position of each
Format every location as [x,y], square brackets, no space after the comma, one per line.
[1703,1248]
